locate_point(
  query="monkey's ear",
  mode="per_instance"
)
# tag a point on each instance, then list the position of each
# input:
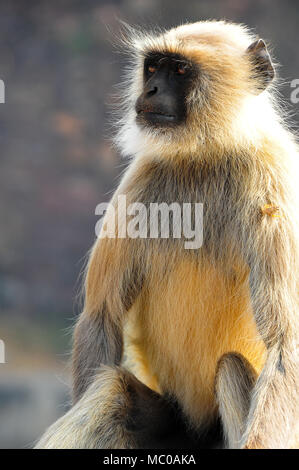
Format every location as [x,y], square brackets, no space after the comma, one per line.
[261,60]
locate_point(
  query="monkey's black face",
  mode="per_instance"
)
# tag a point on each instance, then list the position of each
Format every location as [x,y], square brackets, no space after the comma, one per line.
[167,81]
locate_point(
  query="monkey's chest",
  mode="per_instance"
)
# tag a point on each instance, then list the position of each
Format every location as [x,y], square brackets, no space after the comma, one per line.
[181,325]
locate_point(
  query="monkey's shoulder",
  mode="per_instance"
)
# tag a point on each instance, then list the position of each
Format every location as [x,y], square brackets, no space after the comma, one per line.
[213,182]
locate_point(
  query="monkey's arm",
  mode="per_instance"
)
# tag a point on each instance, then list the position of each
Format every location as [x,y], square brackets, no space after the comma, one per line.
[114,279]
[272,253]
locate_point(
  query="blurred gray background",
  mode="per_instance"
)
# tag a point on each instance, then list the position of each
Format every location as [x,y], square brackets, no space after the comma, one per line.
[56,164]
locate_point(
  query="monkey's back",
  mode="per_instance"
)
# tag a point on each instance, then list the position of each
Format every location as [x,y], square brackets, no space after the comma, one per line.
[183,323]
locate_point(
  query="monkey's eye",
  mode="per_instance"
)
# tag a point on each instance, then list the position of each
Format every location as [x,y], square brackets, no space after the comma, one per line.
[151,68]
[182,69]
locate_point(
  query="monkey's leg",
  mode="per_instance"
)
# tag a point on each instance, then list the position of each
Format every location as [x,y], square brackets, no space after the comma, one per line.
[117,411]
[234,384]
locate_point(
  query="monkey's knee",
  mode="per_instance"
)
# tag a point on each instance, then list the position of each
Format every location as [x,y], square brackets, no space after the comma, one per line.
[235,379]
[96,420]
[116,412]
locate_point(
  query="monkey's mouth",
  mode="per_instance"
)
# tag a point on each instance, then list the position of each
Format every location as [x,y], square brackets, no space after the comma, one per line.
[155,117]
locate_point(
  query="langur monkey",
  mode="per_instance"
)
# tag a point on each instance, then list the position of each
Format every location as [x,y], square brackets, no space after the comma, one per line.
[175,339]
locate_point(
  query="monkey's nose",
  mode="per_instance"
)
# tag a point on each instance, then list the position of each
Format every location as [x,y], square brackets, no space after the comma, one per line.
[152,91]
